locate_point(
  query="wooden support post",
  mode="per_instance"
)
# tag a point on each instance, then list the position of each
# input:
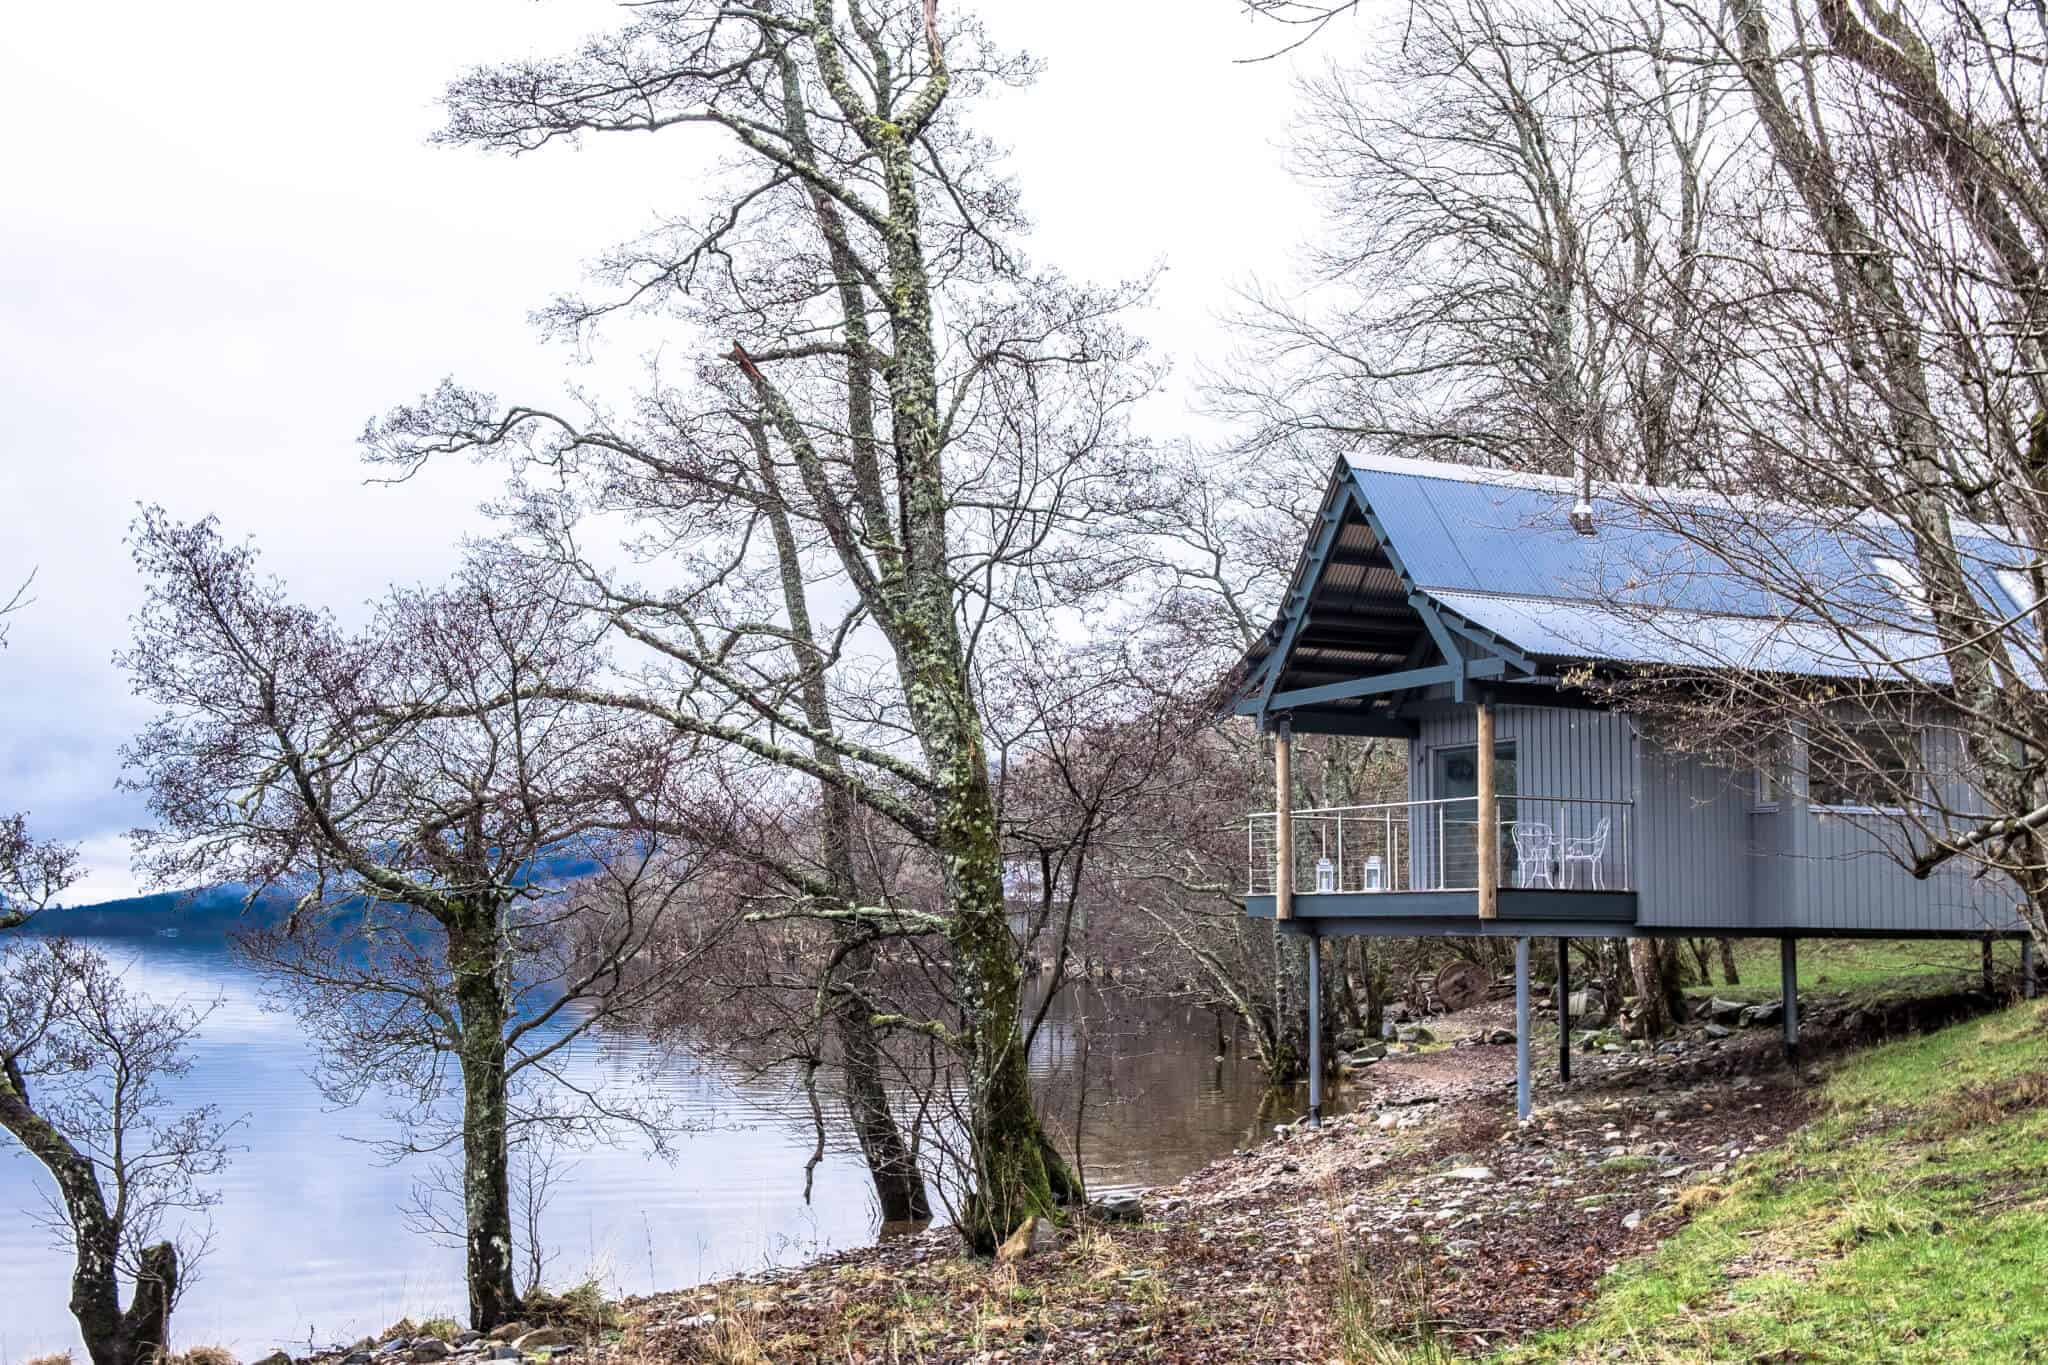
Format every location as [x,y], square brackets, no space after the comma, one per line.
[1564,1009]
[1990,976]
[1521,1028]
[1788,972]
[1283,821]
[2027,967]
[1487,836]
[1315,1031]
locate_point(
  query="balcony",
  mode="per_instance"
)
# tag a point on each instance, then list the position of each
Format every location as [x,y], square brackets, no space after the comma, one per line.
[1559,858]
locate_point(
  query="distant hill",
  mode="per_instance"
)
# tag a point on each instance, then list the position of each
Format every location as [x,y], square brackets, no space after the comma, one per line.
[211,912]
[207,913]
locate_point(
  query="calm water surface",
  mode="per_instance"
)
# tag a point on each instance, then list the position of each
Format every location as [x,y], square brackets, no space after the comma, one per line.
[309,1237]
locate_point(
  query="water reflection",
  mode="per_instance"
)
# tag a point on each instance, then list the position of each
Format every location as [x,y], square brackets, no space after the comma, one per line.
[309,1238]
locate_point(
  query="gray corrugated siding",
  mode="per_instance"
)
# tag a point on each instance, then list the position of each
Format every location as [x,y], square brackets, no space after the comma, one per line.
[1558,753]
[1703,857]
[1693,863]
[1844,873]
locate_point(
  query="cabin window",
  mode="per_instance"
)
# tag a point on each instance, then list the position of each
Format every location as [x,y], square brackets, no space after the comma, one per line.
[1906,583]
[2020,588]
[1866,766]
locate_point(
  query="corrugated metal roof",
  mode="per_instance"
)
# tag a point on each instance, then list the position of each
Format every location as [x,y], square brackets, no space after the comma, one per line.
[1689,639]
[1670,577]
[1677,578]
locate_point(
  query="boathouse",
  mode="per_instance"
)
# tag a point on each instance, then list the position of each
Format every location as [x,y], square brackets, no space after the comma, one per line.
[1469,612]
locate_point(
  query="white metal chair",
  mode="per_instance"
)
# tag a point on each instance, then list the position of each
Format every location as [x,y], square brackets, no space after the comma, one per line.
[1591,850]
[1534,845]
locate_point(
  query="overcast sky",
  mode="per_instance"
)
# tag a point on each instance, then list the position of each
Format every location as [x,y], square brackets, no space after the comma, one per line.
[225,244]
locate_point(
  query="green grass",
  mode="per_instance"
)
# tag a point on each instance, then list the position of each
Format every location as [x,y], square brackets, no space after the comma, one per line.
[1859,967]
[1909,1222]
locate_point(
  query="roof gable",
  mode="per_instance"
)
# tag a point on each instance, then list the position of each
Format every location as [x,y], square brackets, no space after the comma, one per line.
[1420,562]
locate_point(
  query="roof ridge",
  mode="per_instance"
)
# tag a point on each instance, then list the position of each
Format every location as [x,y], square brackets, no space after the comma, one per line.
[1670,495]
[1611,606]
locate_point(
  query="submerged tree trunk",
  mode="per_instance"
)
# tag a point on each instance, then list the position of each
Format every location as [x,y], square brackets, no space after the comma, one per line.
[486,1163]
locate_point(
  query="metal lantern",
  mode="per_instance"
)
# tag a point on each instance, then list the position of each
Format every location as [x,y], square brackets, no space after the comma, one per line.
[1375,874]
[1326,875]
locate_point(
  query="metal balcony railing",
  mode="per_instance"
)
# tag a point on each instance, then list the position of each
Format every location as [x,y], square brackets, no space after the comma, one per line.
[1554,842]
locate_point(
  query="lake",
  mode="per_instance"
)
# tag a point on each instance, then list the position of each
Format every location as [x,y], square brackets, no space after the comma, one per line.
[309,1237]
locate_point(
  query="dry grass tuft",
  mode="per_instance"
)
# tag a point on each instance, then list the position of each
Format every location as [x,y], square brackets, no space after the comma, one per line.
[583,1307]
[1693,1198]
[1985,1105]
[60,1358]
[203,1355]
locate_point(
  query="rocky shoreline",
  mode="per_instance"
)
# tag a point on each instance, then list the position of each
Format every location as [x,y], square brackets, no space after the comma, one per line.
[1424,1209]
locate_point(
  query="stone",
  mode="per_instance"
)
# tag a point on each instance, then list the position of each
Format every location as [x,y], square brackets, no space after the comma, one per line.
[1718,1031]
[467,1335]
[356,1358]
[1761,1016]
[1369,1051]
[1586,1003]
[1724,1011]
[1472,1173]
[543,1337]
[276,1358]
[1415,1033]
[1119,1208]
[508,1331]
[502,1351]
[426,1349]
[1500,1035]
[1350,1040]
[1630,1223]
[1032,1236]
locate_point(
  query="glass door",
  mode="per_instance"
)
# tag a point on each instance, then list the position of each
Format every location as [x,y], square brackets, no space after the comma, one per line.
[1457,785]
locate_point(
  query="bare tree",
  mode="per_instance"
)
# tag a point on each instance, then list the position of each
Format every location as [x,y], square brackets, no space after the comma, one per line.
[84,1060]
[912,437]
[33,872]
[425,832]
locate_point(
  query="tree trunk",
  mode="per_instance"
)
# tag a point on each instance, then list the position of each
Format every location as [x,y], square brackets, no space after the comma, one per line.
[1647,963]
[1018,1172]
[486,1164]
[1703,957]
[1728,973]
[1374,968]
[111,1337]
[1347,991]
[899,1185]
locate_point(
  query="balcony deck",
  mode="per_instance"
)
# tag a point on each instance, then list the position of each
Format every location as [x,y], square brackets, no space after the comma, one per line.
[1565,866]
[1521,911]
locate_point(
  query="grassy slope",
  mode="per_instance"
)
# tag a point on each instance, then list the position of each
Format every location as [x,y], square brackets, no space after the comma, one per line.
[1857,966]
[1908,1223]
